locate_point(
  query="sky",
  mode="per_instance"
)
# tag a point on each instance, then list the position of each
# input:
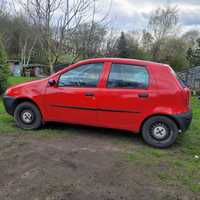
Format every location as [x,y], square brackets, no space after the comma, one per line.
[134,14]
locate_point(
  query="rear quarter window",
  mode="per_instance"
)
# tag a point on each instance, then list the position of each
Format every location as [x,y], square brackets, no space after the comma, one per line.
[182,83]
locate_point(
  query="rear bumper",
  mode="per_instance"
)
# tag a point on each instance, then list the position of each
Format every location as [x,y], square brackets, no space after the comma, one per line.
[9,103]
[184,120]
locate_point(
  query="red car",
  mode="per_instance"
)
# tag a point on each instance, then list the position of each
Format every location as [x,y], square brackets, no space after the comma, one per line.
[139,96]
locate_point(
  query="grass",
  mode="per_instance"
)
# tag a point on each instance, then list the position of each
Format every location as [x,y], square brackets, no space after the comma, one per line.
[13,80]
[176,165]
[181,161]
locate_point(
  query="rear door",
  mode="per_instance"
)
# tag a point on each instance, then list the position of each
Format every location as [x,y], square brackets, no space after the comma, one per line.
[125,96]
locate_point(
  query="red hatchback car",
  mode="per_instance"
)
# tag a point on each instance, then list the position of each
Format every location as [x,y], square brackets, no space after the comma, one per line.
[139,96]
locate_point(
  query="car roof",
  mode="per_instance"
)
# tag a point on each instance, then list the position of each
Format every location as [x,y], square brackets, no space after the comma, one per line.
[114,60]
[120,60]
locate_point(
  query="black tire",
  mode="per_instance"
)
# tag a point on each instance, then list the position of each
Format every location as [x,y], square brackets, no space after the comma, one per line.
[27,116]
[160,131]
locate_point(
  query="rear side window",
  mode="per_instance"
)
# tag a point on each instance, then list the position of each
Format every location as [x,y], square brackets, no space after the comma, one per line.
[182,82]
[128,76]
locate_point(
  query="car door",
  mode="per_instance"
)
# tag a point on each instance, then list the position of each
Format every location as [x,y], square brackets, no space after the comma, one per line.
[73,100]
[125,96]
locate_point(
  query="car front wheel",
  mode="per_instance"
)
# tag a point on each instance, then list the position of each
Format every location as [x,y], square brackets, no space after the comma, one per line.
[27,116]
[160,131]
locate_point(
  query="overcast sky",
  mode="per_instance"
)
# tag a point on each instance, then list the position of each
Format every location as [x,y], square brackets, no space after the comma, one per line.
[134,14]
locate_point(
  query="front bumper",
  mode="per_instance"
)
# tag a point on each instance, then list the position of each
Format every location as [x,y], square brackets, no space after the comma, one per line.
[9,103]
[184,120]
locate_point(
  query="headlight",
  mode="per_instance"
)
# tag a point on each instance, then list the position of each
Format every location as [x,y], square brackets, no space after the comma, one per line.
[7,92]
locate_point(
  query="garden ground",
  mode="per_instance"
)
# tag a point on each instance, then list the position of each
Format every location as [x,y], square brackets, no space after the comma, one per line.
[64,162]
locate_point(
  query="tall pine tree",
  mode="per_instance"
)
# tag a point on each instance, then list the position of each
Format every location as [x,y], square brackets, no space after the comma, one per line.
[4,72]
[122,46]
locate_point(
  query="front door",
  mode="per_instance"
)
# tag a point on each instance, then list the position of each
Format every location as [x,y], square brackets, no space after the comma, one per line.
[125,96]
[73,100]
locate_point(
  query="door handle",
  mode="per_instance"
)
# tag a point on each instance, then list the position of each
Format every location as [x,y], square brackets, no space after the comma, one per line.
[89,94]
[143,95]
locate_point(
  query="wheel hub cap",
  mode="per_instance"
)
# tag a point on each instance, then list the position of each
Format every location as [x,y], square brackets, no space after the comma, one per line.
[27,117]
[159,132]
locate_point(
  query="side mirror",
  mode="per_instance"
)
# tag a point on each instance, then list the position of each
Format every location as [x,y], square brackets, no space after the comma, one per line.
[52,82]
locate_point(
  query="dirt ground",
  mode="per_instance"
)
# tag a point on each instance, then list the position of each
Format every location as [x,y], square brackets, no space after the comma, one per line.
[89,165]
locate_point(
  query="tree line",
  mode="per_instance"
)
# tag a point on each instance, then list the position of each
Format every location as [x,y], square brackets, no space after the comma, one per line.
[62,31]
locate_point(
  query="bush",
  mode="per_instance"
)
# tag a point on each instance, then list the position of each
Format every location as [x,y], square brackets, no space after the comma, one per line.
[4,71]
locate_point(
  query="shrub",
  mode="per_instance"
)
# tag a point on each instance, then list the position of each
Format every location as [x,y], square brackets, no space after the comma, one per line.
[4,71]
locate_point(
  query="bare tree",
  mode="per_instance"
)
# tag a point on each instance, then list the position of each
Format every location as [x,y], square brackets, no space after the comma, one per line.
[91,34]
[86,44]
[27,44]
[190,37]
[147,40]
[54,19]
[111,41]
[95,25]
[163,22]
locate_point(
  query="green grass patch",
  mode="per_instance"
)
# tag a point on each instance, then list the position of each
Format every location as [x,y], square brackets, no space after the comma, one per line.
[14,80]
[182,165]
[164,176]
[183,172]
[132,157]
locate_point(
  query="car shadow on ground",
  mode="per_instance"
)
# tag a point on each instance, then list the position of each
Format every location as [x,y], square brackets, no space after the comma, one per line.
[95,132]
[115,136]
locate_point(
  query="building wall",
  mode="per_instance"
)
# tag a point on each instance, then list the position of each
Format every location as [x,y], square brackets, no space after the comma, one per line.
[191,77]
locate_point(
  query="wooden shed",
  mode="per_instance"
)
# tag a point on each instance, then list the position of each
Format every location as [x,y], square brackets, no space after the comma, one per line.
[36,70]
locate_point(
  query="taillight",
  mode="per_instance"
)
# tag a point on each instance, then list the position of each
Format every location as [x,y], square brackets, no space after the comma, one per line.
[187,97]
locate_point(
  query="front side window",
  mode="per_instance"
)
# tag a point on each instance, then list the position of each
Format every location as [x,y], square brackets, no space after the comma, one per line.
[83,76]
[128,76]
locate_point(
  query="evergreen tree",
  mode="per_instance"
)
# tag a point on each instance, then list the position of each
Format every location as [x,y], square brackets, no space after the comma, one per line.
[189,55]
[122,46]
[4,72]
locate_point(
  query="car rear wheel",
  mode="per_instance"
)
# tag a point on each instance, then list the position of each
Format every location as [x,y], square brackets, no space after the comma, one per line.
[27,116]
[160,131]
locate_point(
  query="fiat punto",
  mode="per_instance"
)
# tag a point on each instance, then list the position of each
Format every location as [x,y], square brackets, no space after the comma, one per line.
[138,96]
